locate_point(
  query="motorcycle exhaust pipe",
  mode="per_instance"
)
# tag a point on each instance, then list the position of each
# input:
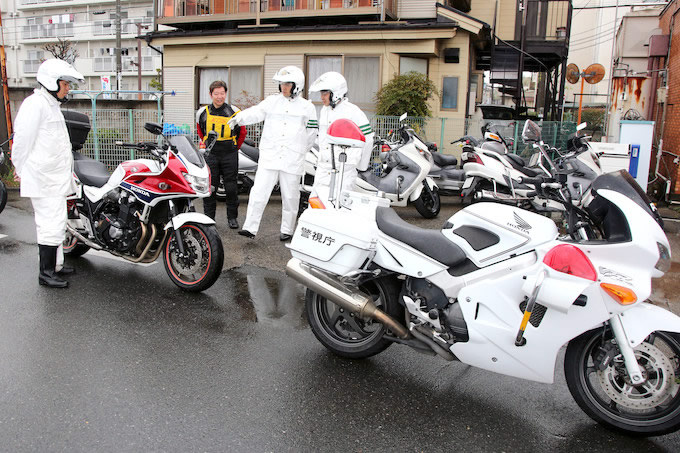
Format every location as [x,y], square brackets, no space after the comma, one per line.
[82,238]
[351,299]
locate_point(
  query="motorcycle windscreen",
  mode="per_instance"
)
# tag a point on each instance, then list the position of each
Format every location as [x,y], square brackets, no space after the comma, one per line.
[612,220]
[187,150]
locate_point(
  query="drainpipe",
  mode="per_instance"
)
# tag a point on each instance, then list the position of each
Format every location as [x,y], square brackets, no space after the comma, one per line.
[611,72]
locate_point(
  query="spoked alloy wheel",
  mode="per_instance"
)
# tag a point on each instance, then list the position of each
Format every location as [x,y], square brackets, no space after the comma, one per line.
[608,397]
[429,203]
[344,333]
[203,257]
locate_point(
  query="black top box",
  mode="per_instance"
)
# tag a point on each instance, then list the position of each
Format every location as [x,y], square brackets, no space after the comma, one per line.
[78,125]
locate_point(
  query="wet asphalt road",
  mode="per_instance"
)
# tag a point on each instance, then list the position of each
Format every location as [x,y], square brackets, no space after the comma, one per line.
[125,361]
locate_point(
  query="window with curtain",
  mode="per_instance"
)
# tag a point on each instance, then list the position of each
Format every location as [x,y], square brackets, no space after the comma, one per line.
[245,86]
[450,93]
[362,75]
[317,66]
[411,64]
[206,76]
[363,79]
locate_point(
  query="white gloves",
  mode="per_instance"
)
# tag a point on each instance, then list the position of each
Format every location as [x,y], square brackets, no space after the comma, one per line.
[233,122]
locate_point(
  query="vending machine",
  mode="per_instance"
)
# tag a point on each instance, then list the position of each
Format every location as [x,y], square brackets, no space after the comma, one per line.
[639,135]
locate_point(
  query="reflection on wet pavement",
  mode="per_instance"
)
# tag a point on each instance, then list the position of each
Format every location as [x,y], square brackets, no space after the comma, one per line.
[268,297]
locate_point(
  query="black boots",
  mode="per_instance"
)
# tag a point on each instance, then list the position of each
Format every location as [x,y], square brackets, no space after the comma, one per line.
[48,261]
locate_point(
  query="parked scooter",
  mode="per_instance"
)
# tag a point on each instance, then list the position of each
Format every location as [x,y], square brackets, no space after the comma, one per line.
[145,208]
[404,178]
[493,175]
[499,289]
[445,172]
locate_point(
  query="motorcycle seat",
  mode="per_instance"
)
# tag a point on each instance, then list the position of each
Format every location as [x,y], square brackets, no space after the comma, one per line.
[250,151]
[444,160]
[89,171]
[454,174]
[430,242]
[516,161]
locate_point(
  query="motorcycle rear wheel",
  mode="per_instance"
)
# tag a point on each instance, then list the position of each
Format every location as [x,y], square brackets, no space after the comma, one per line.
[3,196]
[205,256]
[347,335]
[428,205]
[649,409]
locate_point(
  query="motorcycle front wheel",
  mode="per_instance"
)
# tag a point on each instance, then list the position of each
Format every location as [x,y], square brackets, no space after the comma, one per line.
[428,203]
[607,395]
[203,257]
[3,196]
[347,335]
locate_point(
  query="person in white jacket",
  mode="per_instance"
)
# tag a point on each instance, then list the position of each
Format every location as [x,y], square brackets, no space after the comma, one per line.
[42,158]
[289,130]
[333,88]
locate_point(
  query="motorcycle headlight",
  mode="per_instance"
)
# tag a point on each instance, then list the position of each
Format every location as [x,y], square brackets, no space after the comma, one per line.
[664,262]
[200,185]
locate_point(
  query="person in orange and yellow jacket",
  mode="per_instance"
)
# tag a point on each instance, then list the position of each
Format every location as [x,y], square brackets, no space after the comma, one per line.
[223,159]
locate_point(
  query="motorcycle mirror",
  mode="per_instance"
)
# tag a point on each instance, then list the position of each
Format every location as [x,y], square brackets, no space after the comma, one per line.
[210,141]
[403,117]
[154,128]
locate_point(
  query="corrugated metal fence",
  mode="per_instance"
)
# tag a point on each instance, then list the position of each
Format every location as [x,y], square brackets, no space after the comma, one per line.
[128,126]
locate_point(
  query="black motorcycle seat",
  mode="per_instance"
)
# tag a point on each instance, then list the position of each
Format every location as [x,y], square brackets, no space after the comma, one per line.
[516,161]
[531,172]
[430,242]
[252,152]
[444,160]
[454,174]
[370,177]
[90,172]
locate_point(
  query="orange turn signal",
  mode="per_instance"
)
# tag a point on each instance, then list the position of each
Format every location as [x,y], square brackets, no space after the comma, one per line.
[621,294]
[315,203]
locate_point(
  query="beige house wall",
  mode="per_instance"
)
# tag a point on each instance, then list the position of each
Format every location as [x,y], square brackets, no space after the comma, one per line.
[201,55]
[485,10]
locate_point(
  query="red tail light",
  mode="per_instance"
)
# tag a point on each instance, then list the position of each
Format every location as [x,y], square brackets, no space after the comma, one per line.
[470,157]
[386,148]
[570,260]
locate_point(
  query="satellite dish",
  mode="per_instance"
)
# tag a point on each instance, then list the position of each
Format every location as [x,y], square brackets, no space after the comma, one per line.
[572,73]
[594,73]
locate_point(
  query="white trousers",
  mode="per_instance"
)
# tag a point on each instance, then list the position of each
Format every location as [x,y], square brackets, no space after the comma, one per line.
[322,182]
[265,180]
[50,223]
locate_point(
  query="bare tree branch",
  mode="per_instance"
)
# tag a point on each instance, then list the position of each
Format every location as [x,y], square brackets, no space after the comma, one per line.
[63,49]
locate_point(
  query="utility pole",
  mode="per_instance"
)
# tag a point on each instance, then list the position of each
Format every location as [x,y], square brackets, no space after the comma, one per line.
[119,64]
[139,58]
[520,66]
[5,88]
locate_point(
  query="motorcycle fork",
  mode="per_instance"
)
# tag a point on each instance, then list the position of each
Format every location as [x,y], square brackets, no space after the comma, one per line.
[178,235]
[632,366]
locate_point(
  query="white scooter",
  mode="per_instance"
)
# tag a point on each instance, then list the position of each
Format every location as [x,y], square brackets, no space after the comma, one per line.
[404,178]
[499,289]
[248,155]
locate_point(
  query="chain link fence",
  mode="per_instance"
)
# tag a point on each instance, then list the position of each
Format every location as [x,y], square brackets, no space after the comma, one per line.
[128,126]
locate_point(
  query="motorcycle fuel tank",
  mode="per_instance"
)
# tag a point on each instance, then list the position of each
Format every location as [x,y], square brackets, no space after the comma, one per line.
[493,232]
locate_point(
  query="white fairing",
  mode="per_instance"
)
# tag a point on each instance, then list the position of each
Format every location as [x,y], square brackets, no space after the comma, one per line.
[518,231]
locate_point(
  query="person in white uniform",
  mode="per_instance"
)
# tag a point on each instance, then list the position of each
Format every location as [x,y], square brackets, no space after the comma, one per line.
[333,88]
[290,129]
[42,158]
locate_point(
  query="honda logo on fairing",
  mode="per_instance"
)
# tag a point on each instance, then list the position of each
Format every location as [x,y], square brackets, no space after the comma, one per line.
[520,223]
[140,191]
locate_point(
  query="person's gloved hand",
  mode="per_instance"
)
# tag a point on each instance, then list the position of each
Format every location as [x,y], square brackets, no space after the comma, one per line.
[233,122]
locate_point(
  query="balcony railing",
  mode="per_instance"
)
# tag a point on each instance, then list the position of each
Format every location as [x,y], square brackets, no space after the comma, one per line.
[128,64]
[248,8]
[31,66]
[546,20]
[47,31]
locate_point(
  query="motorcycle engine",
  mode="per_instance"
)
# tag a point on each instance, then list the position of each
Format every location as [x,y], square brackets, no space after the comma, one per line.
[434,302]
[116,225]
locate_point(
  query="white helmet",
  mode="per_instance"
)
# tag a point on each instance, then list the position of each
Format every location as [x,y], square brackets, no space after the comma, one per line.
[53,70]
[291,74]
[334,82]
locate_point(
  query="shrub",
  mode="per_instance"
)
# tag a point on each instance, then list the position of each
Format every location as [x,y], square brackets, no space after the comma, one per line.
[406,93]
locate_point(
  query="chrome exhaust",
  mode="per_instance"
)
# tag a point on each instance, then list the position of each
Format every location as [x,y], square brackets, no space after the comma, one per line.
[82,238]
[349,298]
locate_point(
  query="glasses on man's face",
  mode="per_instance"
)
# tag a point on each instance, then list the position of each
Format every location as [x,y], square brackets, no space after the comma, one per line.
[324,92]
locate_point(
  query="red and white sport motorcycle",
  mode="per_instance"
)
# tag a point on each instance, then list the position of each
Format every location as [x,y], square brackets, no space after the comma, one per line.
[144,208]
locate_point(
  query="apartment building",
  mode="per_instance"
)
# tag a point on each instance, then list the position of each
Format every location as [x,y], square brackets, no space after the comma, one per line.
[29,25]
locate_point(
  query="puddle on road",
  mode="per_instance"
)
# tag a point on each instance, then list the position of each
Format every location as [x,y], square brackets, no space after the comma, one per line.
[268,297]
